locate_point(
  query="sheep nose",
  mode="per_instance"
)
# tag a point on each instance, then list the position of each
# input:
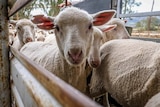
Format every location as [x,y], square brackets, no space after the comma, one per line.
[29,39]
[95,63]
[75,53]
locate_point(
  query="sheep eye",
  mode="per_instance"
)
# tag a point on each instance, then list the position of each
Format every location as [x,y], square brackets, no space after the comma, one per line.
[57,28]
[115,29]
[90,26]
[18,28]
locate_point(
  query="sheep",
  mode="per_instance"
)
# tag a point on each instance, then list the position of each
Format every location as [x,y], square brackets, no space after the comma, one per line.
[40,35]
[94,55]
[25,33]
[129,71]
[114,29]
[154,101]
[12,33]
[119,32]
[66,57]
[50,38]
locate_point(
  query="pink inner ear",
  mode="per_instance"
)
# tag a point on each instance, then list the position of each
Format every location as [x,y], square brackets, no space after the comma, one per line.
[46,25]
[43,22]
[102,18]
[40,19]
[108,28]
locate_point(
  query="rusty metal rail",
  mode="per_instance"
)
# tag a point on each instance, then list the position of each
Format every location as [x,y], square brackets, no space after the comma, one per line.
[66,95]
[4,61]
[18,5]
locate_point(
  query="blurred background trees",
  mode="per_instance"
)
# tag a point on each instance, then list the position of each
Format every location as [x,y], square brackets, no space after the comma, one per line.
[49,7]
[143,24]
[128,5]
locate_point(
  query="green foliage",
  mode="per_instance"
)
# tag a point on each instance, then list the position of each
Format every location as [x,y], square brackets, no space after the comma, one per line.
[128,5]
[143,24]
[50,8]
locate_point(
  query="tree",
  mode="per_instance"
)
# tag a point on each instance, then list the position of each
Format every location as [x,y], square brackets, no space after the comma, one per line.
[50,8]
[143,24]
[128,5]
[149,19]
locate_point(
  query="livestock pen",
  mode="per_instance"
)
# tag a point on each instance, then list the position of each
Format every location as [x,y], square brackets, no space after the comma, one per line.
[26,84]
[29,85]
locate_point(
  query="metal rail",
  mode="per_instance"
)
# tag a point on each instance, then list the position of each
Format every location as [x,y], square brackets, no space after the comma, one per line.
[64,93]
[4,61]
[18,5]
[142,14]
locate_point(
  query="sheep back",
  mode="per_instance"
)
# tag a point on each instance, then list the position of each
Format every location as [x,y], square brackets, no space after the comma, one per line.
[130,71]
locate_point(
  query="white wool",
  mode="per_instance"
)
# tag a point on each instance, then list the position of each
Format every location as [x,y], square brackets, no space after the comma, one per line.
[129,71]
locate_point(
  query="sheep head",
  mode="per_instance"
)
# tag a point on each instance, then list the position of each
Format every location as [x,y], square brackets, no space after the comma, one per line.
[25,30]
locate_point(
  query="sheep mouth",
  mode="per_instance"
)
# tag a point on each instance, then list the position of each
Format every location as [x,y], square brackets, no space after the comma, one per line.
[75,59]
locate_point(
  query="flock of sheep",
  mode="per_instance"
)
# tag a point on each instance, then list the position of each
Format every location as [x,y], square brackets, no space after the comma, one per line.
[82,44]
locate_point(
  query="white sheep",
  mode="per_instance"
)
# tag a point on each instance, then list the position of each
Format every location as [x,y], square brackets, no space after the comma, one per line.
[129,71]
[66,57]
[40,35]
[50,38]
[114,29]
[154,101]
[119,32]
[94,54]
[25,33]
[11,33]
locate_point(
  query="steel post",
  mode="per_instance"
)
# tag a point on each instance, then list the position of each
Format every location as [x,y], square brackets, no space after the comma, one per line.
[4,59]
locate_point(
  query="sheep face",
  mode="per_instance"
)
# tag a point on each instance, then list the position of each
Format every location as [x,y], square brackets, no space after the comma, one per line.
[120,31]
[73,30]
[94,54]
[25,30]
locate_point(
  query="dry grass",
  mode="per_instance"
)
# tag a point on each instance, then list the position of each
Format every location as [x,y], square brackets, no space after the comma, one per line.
[146,34]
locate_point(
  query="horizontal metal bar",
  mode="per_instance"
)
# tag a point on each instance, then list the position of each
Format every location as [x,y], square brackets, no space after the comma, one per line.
[30,90]
[17,6]
[142,14]
[146,39]
[64,93]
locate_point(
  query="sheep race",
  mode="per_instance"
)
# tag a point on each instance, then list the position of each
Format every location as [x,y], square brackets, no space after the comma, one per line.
[93,52]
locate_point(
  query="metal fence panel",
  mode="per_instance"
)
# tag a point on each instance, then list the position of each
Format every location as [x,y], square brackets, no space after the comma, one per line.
[31,92]
[4,61]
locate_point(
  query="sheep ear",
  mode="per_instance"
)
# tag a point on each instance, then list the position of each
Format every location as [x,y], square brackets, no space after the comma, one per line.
[107,28]
[102,17]
[13,22]
[43,22]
